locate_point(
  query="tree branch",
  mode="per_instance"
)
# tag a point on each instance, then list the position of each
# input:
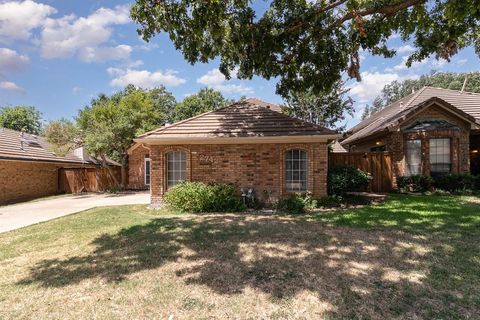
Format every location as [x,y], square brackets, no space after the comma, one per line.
[387,10]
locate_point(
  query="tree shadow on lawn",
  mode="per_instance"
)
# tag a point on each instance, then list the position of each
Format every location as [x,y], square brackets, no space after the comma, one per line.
[358,272]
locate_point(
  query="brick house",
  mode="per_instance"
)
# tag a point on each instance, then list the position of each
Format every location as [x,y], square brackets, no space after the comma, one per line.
[249,143]
[431,131]
[30,169]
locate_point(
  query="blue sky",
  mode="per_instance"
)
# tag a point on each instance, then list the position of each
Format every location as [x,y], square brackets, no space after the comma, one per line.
[58,54]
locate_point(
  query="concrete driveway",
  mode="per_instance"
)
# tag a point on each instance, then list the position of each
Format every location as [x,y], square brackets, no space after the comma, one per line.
[23,214]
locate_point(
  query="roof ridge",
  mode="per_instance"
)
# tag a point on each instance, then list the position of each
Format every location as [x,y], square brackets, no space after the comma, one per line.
[303,122]
[183,121]
[453,90]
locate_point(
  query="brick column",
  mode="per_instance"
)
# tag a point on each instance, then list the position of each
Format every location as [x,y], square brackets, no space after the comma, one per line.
[157,172]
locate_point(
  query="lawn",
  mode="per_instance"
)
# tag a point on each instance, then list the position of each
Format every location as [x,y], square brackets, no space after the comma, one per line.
[411,257]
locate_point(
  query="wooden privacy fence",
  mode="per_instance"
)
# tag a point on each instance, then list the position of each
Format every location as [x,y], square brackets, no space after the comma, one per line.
[75,180]
[378,164]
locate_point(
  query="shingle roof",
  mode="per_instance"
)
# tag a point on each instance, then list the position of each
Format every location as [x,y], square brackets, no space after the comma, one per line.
[24,146]
[466,102]
[247,118]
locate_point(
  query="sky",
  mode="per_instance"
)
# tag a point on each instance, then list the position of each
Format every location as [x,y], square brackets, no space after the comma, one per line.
[57,55]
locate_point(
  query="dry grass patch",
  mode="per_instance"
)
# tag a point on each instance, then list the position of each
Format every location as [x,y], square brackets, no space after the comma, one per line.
[407,258]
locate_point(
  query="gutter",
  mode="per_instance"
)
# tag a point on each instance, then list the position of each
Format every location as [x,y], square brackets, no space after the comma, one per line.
[237,140]
[47,161]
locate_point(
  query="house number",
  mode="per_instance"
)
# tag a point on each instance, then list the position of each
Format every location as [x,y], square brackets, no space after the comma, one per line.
[206,159]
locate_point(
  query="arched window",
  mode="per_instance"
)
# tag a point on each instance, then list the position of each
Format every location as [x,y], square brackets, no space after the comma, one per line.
[296,171]
[176,168]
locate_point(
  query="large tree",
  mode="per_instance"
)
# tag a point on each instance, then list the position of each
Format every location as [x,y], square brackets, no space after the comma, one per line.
[195,104]
[307,44]
[447,80]
[63,135]
[323,109]
[110,124]
[21,118]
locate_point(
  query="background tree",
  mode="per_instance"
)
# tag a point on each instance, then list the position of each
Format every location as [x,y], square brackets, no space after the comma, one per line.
[195,104]
[307,44]
[63,135]
[366,112]
[377,105]
[21,118]
[110,124]
[447,80]
[323,109]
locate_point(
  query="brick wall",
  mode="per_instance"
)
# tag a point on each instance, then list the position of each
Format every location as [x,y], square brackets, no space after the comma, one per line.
[258,166]
[136,168]
[21,180]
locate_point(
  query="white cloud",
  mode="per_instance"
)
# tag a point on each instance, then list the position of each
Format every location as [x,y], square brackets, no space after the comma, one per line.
[405,48]
[439,63]
[216,80]
[90,54]
[144,78]
[461,62]
[19,18]
[403,65]
[85,37]
[10,60]
[372,84]
[211,78]
[10,86]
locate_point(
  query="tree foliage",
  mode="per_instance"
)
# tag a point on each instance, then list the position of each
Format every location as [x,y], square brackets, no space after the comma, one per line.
[63,135]
[447,80]
[323,109]
[109,124]
[21,118]
[307,44]
[203,101]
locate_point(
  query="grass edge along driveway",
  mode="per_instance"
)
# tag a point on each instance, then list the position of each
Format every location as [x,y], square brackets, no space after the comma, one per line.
[411,257]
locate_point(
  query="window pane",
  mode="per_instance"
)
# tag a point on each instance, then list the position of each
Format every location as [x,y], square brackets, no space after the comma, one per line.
[440,157]
[296,171]
[147,172]
[413,157]
[176,167]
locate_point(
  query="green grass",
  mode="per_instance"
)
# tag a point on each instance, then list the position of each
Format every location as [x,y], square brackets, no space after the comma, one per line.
[411,257]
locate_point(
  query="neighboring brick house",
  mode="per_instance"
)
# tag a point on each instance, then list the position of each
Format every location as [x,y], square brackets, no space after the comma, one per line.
[30,169]
[249,143]
[432,131]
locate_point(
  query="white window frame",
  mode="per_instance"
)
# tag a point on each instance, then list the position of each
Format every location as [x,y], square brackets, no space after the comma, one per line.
[149,171]
[407,162]
[174,171]
[300,182]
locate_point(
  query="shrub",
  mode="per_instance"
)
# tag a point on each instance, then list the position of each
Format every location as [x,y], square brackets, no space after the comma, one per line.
[476,183]
[293,204]
[415,183]
[455,182]
[200,197]
[330,201]
[343,179]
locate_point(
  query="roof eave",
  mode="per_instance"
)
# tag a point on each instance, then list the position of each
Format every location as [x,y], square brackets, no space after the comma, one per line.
[236,140]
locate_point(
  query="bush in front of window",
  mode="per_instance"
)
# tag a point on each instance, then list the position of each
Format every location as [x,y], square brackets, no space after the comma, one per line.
[201,197]
[294,204]
[343,179]
[415,183]
[455,182]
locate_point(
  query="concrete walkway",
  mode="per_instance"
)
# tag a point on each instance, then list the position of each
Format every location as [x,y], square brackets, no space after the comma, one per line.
[23,214]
